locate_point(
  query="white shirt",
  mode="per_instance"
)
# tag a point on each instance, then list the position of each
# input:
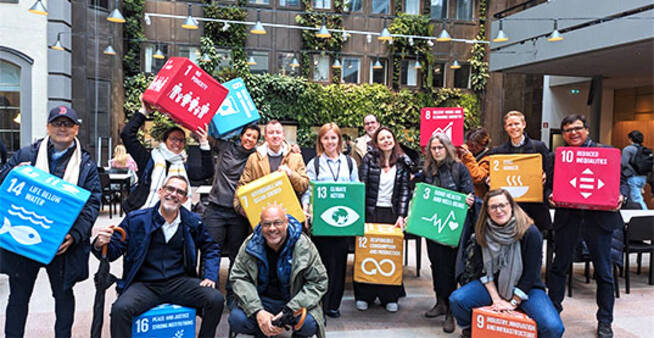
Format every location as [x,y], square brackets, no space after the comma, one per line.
[169,229]
[386,184]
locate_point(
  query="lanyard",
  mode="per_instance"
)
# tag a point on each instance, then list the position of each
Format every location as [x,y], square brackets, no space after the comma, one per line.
[338,171]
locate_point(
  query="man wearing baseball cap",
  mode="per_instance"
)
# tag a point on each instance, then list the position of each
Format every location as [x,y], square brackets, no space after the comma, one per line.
[59,153]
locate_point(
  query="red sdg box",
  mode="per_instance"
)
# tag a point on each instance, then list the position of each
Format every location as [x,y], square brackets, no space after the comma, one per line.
[491,324]
[448,121]
[587,178]
[186,93]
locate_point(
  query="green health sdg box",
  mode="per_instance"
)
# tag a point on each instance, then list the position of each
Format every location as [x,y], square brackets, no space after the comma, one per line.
[338,208]
[437,214]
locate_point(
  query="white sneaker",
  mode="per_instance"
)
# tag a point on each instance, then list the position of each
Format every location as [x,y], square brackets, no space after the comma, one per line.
[362,305]
[392,307]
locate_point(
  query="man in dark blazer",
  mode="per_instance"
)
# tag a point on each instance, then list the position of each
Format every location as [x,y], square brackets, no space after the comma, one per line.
[594,227]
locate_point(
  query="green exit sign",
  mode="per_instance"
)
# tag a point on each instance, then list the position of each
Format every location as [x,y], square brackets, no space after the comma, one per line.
[574,91]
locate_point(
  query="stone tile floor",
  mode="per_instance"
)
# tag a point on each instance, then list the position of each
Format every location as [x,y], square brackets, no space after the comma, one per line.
[633,312]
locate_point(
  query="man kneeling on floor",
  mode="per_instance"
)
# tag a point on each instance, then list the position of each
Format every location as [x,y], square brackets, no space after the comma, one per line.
[160,261]
[277,271]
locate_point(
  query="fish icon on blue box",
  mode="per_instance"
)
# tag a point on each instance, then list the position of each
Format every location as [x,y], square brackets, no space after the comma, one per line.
[38,209]
[237,110]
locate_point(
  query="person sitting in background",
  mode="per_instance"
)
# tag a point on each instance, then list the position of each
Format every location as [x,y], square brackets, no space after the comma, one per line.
[474,155]
[123,160]
[511,247]
[277,271]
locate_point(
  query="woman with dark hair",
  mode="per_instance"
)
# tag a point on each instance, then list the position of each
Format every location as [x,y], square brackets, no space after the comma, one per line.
[474,155]
[331,165]
[443,169]
[520,143]
[511,247]
[635,180]
[385,172]
[166,159]
[226,226]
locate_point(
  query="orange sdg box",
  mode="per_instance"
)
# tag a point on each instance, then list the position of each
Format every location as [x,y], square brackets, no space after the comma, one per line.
[378,255]
[520,175]
[487,323]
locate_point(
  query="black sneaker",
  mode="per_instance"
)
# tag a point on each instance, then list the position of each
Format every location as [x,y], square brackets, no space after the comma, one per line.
[333,313]
[466,333]
[604,330]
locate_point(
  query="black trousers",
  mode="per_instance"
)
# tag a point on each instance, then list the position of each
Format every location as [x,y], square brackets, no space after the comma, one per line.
[385,293]
[20,290]
[443,263]
[333,253]
[185,291]
[598,241]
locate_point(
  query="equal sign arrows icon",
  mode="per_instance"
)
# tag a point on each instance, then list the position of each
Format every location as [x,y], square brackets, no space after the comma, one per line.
[587,184]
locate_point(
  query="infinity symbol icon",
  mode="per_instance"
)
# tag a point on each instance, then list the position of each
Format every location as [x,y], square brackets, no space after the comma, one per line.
[378,267]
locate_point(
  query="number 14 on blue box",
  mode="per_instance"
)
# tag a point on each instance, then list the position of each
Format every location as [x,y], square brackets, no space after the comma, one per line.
[37,211]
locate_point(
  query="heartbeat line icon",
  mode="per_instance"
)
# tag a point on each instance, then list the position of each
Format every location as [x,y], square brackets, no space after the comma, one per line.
[437,222]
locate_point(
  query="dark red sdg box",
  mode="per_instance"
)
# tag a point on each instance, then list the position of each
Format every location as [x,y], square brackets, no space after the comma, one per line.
[446,120]
[186,93]
[587,178]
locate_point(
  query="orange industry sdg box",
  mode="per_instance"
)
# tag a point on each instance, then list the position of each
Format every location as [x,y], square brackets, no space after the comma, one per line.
[521,175]
[487,323]
[378,255]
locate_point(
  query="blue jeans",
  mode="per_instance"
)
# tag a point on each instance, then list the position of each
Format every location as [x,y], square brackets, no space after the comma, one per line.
[539,307]
[240,323]
[636,184]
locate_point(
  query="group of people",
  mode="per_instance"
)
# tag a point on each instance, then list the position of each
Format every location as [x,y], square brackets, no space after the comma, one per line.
[278,269]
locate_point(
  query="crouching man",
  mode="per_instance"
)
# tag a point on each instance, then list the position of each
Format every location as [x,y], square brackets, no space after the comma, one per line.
[160,261]
[277,271]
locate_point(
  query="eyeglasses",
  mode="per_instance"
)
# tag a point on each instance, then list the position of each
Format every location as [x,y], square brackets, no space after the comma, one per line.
[172,190]
[499,206]
[62,123]
[573,130]
[277,223]
[369,122]
[177,139]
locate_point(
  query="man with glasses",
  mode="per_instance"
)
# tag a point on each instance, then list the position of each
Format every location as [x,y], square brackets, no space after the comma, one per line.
[160,263]
[361,144]
[277,271]
[594,227]
[167,158]
[60,154]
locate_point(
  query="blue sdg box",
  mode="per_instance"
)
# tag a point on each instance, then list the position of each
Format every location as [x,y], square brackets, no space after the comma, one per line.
[236,111]
[37,210]
[165,320]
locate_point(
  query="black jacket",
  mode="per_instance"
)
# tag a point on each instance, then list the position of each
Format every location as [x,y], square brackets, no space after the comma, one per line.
[77,255]
[531,249]
[370,172]
[143,159]
[539,211]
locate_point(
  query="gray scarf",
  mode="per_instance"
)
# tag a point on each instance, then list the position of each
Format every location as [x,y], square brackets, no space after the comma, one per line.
[502,253]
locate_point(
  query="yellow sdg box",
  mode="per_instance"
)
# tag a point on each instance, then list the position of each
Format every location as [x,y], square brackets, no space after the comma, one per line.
[378,255]
[521,175]
[272,188]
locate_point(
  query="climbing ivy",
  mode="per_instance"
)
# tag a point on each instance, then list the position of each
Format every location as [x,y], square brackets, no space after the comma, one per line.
[133,35]
[401,49]
[478,64]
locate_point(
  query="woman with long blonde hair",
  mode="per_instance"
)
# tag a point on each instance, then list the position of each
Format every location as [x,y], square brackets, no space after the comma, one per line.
[122,160]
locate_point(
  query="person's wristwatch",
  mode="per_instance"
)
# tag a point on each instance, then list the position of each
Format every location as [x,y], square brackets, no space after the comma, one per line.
[514,302]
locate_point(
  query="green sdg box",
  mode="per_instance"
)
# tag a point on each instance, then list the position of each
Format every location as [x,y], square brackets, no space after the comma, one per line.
[338,208]
[437,214]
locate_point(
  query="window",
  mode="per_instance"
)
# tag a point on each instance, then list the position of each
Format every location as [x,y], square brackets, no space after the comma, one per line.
[462,77]
[100,4]
[378,75]
[289,3]
[100,115]
[225,59]
[438,78]
[192,53]
[320,68]
[261,58]
[350,6]
[412,7]
[259,2]
[438,9]
[10,106]
[284,64]
[464,9]
[322,4]
[152,65]
[381,6]
[350,72]
[409,74]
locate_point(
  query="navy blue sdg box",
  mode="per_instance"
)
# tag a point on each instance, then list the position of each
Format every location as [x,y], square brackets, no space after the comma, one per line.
[37,210]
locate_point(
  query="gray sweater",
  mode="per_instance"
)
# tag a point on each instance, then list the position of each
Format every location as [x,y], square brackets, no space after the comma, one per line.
[628,153]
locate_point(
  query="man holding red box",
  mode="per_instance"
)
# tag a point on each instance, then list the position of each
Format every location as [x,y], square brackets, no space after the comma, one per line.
[594,227]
